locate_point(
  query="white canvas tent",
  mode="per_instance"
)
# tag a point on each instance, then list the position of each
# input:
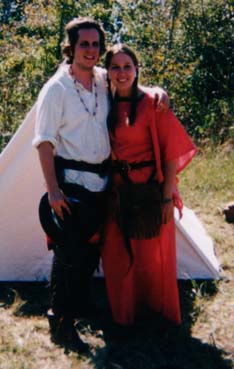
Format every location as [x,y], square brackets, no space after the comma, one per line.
[23,253]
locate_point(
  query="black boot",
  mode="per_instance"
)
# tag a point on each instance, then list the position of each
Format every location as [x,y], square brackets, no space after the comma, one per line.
[63,333]
[82,278]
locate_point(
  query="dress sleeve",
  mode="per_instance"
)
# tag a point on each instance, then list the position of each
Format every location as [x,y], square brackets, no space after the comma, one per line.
[48,114]
[174,142]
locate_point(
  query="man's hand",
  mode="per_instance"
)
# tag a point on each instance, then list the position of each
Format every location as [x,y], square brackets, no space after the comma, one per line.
[58,202]
[57,199]
[162,100]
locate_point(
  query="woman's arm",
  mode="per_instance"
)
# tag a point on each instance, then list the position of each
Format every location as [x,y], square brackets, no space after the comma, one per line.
[169,181]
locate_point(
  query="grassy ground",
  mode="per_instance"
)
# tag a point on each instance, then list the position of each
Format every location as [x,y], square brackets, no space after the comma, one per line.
[204,341]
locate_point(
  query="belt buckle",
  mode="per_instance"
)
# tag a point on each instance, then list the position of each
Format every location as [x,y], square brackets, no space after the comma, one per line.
[125,167]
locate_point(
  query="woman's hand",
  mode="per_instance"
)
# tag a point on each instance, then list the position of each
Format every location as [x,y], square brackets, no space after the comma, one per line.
[167,212]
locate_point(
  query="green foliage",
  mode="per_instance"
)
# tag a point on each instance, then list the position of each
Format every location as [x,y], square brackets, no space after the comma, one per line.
[208,88]
[184,46]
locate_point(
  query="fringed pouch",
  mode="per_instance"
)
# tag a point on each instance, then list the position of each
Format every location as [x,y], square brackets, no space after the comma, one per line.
[138,210]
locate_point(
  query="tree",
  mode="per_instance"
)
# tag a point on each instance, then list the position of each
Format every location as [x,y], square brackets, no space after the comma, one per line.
[184,46]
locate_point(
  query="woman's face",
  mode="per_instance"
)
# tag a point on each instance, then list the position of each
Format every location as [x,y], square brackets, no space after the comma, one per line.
[122,73]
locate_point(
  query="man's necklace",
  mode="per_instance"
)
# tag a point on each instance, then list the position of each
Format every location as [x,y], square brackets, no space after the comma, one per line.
[94,113]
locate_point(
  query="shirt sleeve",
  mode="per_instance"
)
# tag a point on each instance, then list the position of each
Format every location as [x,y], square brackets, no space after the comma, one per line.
[174,142]
[49,114]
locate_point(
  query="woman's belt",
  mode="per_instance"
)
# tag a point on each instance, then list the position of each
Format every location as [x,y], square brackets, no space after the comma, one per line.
[123,166]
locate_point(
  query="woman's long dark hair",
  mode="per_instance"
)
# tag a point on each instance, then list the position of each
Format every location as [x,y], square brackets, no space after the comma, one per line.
[112,118]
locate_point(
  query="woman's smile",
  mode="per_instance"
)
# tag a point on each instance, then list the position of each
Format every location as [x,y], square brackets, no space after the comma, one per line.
[122,73]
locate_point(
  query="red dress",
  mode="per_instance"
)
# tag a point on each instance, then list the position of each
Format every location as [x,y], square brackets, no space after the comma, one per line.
[150,280]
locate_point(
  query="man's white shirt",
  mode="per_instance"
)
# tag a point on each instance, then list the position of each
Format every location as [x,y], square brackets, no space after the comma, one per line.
[62,119]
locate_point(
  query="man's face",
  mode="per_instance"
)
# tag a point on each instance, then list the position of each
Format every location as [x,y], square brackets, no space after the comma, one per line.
[87,49]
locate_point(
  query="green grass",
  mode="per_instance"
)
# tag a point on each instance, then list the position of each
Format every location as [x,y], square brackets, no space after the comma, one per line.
[209,181]
[204,341]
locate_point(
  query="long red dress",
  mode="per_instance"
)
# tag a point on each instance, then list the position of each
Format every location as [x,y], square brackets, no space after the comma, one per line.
[150,280]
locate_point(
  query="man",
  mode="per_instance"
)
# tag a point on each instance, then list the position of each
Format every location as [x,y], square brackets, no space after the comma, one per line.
[73,144]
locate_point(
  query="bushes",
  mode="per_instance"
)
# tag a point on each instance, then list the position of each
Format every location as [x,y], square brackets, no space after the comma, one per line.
[185,46]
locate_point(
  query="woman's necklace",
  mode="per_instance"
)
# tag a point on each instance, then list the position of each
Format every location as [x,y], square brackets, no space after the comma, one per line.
[94,113]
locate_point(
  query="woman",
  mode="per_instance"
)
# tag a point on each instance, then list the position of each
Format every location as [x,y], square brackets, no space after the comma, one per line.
[141,273]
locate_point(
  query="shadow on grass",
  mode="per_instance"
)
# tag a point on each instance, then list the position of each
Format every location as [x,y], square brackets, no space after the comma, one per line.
[28,298]
[153,344]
